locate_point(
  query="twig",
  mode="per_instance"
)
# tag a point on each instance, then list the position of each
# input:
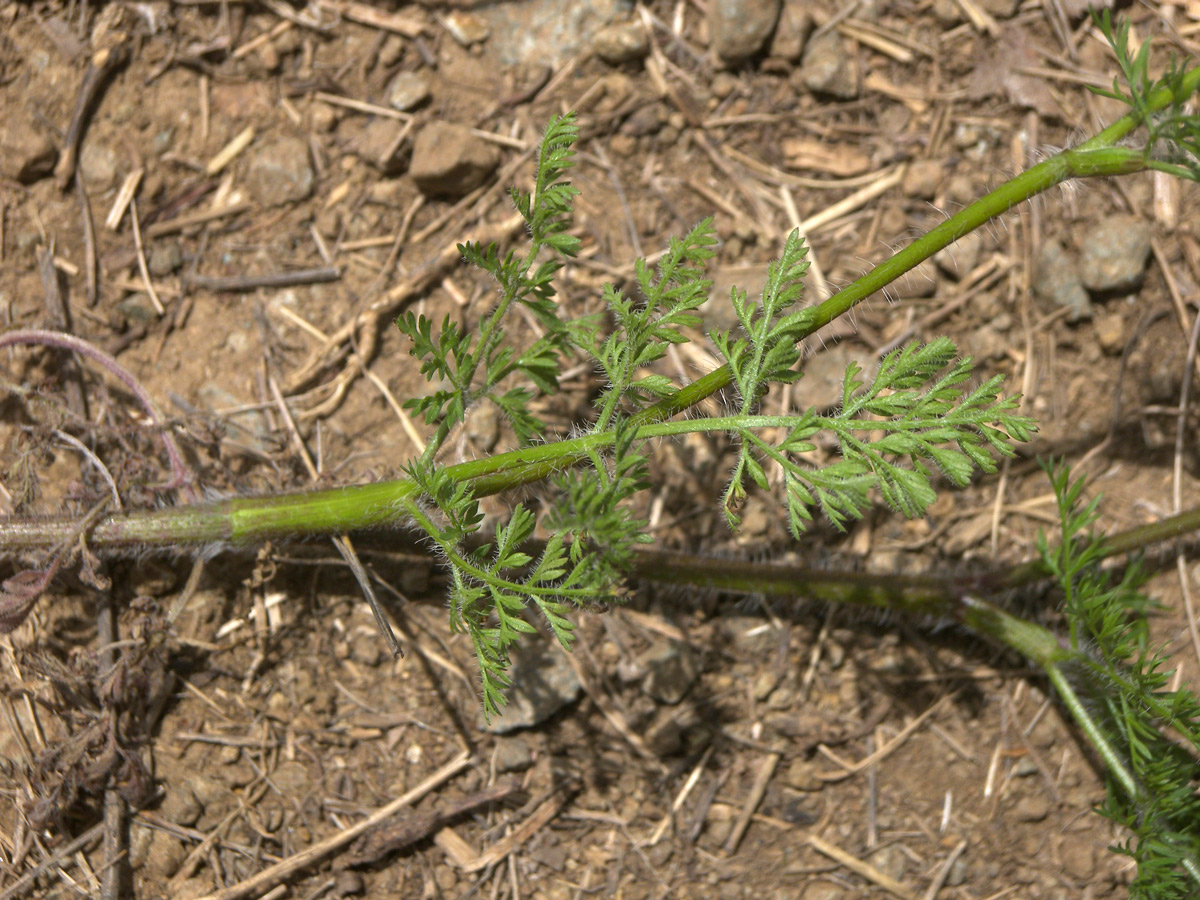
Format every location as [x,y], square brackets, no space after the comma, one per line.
[140,252]
[757,791]
[19,887]
[60,319]
[101,66]
[91,265]
[275,874]
[241,283]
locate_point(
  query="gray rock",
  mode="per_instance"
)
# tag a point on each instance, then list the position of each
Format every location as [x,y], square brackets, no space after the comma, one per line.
[922,178]
[165,257]
[182,806]
[448,160]
[622,42]
[381,143]
[740,28]
[543,683]
[280,172]
[1056,280]
[97,166]
[26,154]
[1114,254]
[671,669]
[791,31]
[408,90]
[829,67]
[513,754]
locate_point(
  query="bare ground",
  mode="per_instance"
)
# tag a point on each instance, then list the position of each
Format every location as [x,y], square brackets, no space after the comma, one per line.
[816,753]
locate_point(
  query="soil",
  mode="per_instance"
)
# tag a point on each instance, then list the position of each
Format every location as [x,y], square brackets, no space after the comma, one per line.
[797,750]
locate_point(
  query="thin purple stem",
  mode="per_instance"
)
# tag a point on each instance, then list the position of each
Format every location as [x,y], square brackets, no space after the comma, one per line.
[181,474]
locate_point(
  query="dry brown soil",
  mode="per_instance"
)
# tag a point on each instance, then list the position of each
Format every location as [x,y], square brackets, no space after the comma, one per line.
[267,717]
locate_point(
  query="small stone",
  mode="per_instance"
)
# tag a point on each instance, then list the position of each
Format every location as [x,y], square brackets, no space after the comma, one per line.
[1031,809]
[166,855]
[348,883]
[1078,854]
[740,28]
[622,43]
[513,754]
[791,31]
[26,154]
[1110,333]
[382,144]
[1000,9]
[367,650]
[164,258]
[922,179]
[1056,280]
[324,118]
[829,68]
[448,160]
[408,90]
[543,682]
[466,28]
[97,166]
[1025,768]
[182,806]
[801,775]
[391,52]
[960,258]
[138,308]
[671,669]
[1114,254]
[890,860]
[959,869]
[280,172]
[622,145]
[723,84]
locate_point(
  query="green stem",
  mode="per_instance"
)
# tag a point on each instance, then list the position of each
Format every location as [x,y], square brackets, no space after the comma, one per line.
[364,506]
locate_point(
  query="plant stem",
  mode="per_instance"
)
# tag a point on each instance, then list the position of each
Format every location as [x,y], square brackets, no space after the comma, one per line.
[357,507]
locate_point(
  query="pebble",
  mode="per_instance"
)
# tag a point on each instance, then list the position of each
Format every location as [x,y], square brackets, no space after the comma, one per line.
[1031,809]
[1114,254]
[466,28]
[448,160]
[959,869]
[791,31]
[381,144]
[1079,857]
[348,883]
[740,28]
[1056,280]
[165,258]
[280,172]
[182,806]
[26,154]
[391,52]
[408,90]
[166,854]
[1110,333]
[922,179]
[828,68]
[512,754]
[543,683]
[671,669]
[98,166]
[622,43]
